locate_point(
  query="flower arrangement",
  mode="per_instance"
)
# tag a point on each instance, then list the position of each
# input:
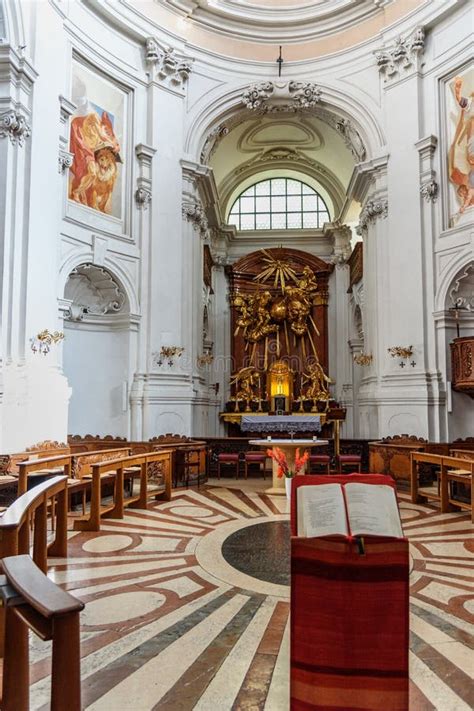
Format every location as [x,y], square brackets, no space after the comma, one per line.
[280,458]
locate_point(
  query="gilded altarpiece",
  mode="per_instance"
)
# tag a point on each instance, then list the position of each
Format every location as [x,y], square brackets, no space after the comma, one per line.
[279,312]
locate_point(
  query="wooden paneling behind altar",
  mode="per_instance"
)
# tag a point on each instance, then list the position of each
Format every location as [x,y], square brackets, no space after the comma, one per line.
[279,306]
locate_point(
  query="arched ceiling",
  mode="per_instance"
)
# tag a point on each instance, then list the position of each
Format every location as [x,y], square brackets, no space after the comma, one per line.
[274,20]
[292,145]
[250,29]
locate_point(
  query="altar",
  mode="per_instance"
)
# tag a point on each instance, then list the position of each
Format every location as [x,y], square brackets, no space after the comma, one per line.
[279,316]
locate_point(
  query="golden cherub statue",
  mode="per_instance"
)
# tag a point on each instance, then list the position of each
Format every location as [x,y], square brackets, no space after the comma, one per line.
[247,387]
[317,390]
[300,300]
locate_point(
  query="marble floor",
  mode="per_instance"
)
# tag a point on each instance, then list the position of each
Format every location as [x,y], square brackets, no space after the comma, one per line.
[176,620]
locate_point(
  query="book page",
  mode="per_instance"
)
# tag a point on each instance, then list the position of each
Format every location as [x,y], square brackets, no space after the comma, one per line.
[373,509]
[321,511]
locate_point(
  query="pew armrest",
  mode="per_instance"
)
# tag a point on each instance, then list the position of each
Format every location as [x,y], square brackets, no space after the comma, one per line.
[39,591]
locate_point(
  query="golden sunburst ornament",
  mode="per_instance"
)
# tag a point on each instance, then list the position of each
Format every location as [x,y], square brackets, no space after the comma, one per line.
[276,268]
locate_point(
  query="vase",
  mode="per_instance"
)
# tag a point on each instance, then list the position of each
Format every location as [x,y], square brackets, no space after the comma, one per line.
[288,480]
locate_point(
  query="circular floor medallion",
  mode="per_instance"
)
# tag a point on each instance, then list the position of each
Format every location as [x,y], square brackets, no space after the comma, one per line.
[261,551]
[251,560]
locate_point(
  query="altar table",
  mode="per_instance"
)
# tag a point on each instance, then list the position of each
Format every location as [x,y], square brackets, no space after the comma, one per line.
[289,447]
[281,423]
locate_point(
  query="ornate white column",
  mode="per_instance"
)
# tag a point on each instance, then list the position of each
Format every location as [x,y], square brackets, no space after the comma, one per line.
[369,187]
[161,393]
[16,87]
[144,206]
[340,367]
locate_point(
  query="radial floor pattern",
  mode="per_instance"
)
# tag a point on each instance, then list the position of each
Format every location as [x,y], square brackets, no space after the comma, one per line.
[180,616]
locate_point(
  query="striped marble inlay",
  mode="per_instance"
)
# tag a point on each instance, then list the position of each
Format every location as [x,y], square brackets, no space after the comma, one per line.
[169,625]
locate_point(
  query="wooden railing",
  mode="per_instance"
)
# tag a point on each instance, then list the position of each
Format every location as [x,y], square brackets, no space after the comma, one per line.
[139,465]
[32,507]
[45,465]
[75,466]
[32,601]
[451,470]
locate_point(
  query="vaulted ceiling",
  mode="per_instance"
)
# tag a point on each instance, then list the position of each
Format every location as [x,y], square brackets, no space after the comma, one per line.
[291,145]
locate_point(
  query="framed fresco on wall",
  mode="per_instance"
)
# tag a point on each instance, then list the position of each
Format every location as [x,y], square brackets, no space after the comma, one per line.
[98,142]
[459,112]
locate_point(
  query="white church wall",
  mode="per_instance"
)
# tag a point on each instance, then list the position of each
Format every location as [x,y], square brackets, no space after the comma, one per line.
[96,363]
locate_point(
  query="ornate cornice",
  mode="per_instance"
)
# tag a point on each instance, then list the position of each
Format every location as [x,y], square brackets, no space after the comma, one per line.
[402,56]
[170,67]
[429,190]
[13,124]
[276,97]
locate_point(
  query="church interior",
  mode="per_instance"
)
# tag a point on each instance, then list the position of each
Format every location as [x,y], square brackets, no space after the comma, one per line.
[236,374]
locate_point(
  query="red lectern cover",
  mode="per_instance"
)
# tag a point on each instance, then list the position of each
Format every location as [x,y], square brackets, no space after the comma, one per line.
[349,617]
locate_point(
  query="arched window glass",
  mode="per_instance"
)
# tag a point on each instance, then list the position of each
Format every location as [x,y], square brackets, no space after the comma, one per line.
[279,204]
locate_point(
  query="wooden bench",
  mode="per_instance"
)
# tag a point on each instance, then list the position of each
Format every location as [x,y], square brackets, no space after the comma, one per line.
[32,507]
[32,601]
[142,466]
[450,470]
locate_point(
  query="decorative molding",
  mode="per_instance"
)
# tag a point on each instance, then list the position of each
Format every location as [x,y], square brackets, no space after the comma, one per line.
[92,290]
[66,109]
[372,211]
[65,160]
[342,241]
[194,212]
[402,56]
[171,67]
[212,141]
[142,197]
[427,146]
[13,124]
[461,294]
[429,190]
[275,97]
[345,128]
[144,154]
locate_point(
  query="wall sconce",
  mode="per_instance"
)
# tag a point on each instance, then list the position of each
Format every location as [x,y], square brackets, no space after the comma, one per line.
[205,359]
[401,351]
[363,358]
[168,353]
[43,341]
[404,352]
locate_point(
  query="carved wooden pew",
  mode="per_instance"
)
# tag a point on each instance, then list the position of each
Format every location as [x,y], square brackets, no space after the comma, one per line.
[145,467]
[32,601]
[15,522]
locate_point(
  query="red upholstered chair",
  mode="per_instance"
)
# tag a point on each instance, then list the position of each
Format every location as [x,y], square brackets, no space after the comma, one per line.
[349,460]
[259,458]
[228,458]
[320,461]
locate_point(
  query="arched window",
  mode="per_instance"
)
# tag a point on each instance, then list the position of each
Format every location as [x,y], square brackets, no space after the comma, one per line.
[279,204]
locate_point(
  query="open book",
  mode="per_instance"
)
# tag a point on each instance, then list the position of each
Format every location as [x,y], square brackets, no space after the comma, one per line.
[351,509]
